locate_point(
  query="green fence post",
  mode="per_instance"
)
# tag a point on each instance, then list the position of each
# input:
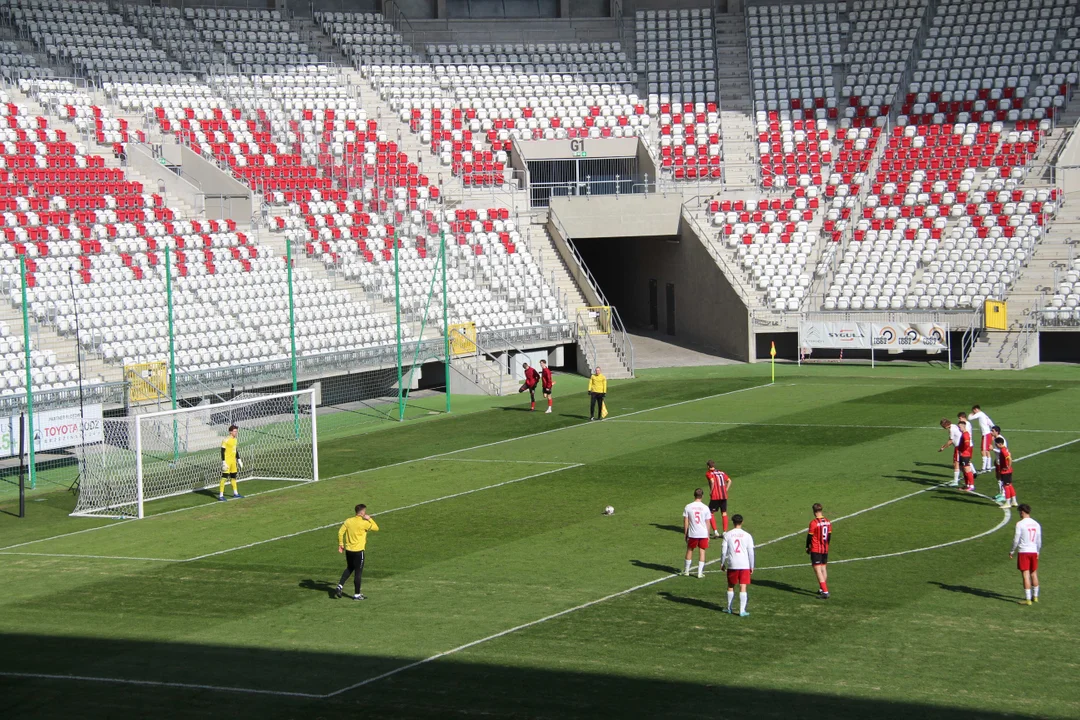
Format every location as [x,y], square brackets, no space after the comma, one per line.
[397,313]
[445,317]
[29,376]
[292,334]
[172,350]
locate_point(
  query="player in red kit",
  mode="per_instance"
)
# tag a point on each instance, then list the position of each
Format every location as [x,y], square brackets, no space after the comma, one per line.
[719,482]
[532,379]
[817,547]
[1005,473]
[964,451]
[547,382]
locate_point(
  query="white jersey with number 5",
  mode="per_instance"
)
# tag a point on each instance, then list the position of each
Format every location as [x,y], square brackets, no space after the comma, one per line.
[738,551]
[697,515]
[1028,536]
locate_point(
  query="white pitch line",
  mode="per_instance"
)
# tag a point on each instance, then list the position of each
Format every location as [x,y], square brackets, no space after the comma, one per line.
[826,425]
[414,460]
[90,557]
[158,683]
[385,512]
[521,462]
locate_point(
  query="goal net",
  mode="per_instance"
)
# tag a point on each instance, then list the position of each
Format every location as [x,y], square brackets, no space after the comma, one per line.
[162,454]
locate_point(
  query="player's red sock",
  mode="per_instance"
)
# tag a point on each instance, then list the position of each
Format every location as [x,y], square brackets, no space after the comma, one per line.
[969,476]
[549,402]
[824,587]
[1010,492]
[724,519]
[532,406]
[712,521]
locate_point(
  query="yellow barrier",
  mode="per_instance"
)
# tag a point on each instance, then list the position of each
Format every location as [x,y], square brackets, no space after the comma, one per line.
[995,315]
[462,339]
[147,381]
[596,320]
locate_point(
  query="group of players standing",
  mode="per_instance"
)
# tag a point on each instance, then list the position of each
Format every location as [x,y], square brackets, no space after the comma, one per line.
[993,443]
[737,552]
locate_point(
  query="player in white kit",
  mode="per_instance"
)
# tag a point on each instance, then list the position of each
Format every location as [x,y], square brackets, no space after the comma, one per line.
[696,517]
[1028,540]
[738,560]
[985,426]
[955,436]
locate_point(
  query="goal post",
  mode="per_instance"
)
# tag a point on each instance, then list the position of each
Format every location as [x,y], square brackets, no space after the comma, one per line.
[156,455]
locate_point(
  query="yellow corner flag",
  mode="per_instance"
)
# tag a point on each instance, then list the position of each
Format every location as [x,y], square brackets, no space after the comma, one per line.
[603,409]
[772,362]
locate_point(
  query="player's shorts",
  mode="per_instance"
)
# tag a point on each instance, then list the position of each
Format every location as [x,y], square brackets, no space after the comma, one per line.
[738,577]
[1027,561]
[693,543]
[229,475]
[955,454]
[1005,478]
[819,558]
[718,505]
[547,391]
[988,442]
[964,460]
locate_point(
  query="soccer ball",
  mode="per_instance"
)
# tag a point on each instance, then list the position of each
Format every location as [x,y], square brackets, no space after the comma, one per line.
[609,510]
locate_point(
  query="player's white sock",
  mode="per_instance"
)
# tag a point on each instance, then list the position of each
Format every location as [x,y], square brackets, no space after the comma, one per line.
[1035,591]
[687,568]
[730,599]
[742,602]
[700,567]
[1027,593]
[956,476]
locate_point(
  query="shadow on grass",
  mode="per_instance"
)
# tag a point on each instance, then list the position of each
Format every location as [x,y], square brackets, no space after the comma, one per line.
[654,566]
[910,477]
[977,592]
[953,497]
[67,676]
[672,528]
[784,587]
[319,586]
[695,602]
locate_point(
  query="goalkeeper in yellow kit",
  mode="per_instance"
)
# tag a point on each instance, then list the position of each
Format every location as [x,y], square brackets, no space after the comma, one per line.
[231,464]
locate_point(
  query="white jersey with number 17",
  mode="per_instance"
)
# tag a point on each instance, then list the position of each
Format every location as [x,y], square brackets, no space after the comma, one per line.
[697,515]
[1028,536]
[738,551]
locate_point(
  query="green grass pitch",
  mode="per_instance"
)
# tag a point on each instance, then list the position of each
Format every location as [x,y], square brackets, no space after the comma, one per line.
[497,588]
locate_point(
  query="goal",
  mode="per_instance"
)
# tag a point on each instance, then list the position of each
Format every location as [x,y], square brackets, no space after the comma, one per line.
[157,455]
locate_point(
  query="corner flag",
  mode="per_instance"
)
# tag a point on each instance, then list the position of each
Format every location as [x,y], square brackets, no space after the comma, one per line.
[772,362]
[603,409]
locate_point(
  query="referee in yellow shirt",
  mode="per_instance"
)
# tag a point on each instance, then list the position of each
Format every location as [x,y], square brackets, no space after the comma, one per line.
[597,392]
[352,539]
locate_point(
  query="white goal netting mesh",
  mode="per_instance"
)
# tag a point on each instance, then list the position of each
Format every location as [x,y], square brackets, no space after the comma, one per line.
[180,451]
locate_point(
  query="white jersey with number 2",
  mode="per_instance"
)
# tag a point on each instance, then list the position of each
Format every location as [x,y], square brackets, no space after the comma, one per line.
[697,515]
[738,550]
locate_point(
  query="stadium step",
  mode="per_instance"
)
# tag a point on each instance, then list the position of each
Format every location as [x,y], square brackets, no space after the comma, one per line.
[1003,350]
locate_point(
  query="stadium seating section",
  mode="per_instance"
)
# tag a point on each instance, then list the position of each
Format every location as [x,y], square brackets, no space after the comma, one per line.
[895,144]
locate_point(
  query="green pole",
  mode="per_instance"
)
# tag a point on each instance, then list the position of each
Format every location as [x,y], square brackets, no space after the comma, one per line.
[29,377]
[445,318]
[292,334]
[172,350]
[397,311]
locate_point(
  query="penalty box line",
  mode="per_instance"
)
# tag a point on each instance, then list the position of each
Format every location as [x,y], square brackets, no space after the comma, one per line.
[665,578]
[403,462]
[826,425]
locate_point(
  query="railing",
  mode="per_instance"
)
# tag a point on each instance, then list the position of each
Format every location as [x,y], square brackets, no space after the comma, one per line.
[585,341]
[731,273]
[1029,331]
[620,340]
[971,335]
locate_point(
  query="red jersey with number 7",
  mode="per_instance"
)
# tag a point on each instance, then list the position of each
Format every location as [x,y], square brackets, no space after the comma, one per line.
[820,534]
[545,378]
[718,483]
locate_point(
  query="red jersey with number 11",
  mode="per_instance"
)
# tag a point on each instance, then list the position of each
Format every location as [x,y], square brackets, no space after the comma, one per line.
[717,484]
[820,534]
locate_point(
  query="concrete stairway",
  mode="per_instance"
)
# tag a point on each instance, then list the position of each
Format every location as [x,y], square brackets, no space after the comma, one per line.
[1050,256]
[736,102]
[1003,350]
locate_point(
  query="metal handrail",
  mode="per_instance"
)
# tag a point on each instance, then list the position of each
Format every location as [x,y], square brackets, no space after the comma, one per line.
[620,340]
[971,334]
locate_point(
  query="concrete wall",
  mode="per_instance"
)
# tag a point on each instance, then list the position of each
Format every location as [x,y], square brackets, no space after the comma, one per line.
[225,196]
[1068,165]
[607,216]
[140,158]
[708,312]
[565,149]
